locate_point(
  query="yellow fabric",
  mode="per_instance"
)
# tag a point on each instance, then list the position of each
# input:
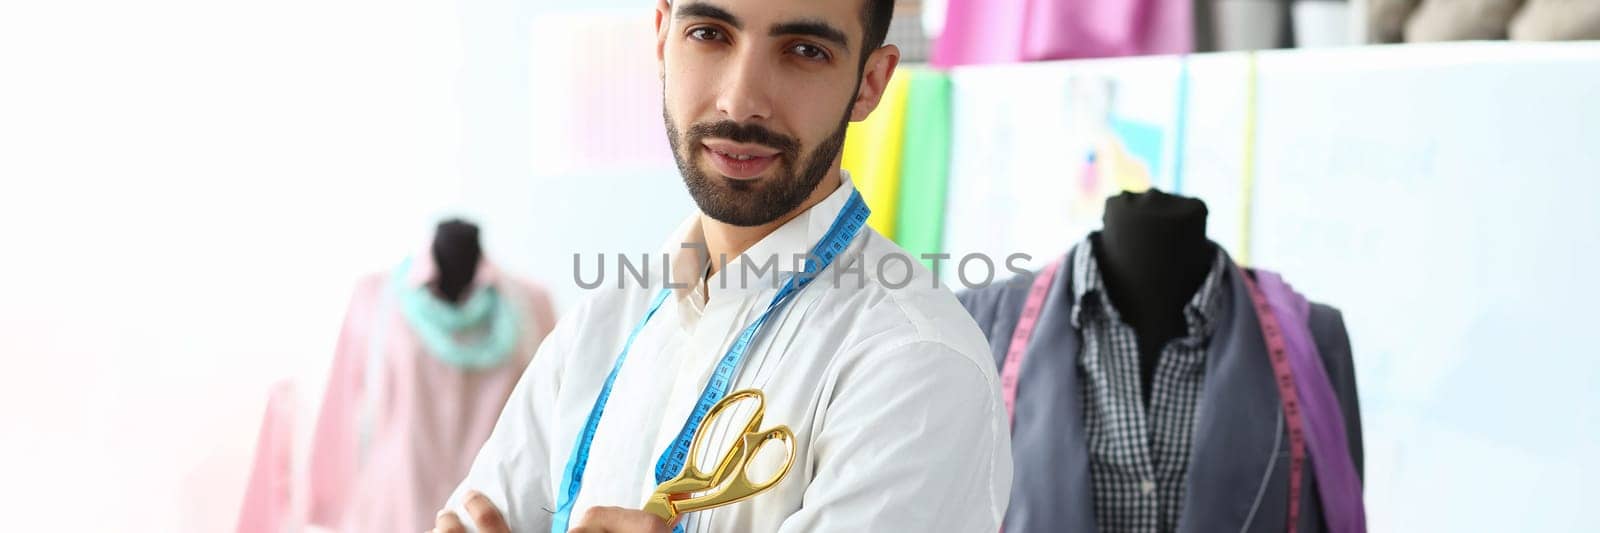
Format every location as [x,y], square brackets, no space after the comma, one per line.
[872,154]
[1249,185]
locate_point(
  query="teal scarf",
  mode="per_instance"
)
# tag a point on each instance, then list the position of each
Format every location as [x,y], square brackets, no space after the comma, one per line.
[478,334]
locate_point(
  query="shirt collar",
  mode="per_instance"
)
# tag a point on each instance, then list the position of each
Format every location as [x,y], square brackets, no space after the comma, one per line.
[766,264]
[1089,289]
[1087,285]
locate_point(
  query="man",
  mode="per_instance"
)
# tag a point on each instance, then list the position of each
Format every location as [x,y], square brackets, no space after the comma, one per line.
[882,375]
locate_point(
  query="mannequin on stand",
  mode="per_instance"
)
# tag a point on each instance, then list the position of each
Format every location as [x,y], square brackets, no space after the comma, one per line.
[1144,394]
[1154,255]
[429,351]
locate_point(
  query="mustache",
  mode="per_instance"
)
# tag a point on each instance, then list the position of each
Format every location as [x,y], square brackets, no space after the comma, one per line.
[744,133]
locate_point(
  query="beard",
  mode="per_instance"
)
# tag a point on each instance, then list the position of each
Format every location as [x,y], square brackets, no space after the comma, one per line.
[752,203]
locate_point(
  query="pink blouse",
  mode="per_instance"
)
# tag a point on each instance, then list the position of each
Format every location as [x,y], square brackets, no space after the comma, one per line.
[392,440]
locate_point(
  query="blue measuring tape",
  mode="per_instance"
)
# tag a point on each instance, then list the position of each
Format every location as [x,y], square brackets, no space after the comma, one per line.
[840,233]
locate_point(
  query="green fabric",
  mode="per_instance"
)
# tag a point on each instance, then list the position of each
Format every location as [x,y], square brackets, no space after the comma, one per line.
[480,333]
[925,164]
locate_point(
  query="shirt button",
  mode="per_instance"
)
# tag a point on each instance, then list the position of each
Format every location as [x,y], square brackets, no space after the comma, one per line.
[1147,487]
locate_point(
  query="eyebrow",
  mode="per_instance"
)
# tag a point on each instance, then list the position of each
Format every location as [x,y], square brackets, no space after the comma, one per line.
[704,10]
[813,28]
[808,27]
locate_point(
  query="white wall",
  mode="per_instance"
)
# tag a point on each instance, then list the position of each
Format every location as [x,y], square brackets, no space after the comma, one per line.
[188,189]
[1444,197]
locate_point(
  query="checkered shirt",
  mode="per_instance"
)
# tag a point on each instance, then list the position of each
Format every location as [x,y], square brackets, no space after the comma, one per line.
[1139,458]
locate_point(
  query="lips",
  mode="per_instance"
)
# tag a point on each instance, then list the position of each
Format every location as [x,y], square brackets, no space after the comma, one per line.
[738,160]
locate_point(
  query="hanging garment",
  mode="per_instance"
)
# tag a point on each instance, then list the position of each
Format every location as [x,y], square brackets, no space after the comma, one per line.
[1326,435]
[1461,20]
[1557,20]
[1238,477]
[980,32]
[924,163]
[1249,25]
[872,152]
[1077,29]
[1386,19]
[985,31]
[400,422]
[878,383]
[268,498]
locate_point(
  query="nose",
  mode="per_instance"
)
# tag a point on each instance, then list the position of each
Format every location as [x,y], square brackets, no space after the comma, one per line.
[746,92]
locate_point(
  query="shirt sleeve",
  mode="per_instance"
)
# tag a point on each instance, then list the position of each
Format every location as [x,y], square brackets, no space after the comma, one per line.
[513,468]
[915,440]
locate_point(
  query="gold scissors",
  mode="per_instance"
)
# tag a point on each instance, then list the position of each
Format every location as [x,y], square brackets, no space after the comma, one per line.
[729,482]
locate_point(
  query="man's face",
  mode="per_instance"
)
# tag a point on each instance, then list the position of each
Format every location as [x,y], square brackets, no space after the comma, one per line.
[757,94]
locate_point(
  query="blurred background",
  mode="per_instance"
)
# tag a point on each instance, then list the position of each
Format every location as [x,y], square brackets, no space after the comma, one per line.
[192,192]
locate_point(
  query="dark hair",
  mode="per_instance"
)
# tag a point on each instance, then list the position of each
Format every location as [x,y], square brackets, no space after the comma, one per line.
[875,17]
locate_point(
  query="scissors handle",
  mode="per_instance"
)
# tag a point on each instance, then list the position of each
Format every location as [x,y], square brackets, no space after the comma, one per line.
[738,485]
[729,481]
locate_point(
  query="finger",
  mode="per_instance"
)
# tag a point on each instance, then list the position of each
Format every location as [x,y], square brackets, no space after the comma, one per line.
[484,514]
[607,519]
[447,522]
[597,520]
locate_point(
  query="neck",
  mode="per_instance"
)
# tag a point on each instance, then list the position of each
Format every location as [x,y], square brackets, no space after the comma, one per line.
[456,253]
[1154,254]
[725,240]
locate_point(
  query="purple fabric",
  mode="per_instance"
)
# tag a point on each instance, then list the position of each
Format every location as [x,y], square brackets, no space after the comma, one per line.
[1061,29]
[1326,438]
[980,32]
[1074,29]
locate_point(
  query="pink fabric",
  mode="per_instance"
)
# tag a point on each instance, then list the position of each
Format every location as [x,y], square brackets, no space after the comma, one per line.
[981,32]
[1008,31]
[1170,27]
[427,421]
[267,498]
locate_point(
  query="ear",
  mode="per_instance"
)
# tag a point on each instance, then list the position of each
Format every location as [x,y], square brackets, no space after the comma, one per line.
[663,23]
[880,67]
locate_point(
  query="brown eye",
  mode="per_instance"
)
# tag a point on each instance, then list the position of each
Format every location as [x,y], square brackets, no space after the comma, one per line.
[705,34]
[809,51]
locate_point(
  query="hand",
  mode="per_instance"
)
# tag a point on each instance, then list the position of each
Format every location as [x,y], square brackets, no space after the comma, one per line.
[595,520]
[484,514]
[619,520]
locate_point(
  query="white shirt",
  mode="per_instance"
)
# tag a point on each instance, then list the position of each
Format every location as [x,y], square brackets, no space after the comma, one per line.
[891,393]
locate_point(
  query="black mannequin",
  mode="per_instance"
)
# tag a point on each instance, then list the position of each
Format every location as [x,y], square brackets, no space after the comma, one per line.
[456,251]
[1154,255]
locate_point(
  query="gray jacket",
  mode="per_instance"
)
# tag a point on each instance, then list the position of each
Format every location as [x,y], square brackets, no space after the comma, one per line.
[1238,470]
